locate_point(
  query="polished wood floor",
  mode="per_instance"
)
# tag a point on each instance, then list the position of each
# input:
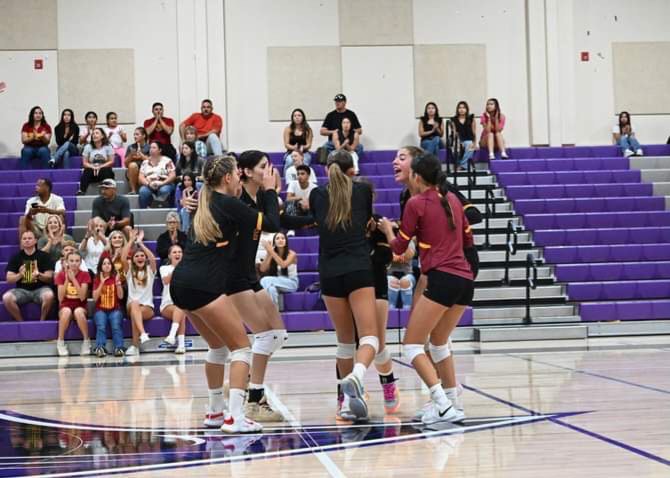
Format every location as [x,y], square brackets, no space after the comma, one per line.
[597,408]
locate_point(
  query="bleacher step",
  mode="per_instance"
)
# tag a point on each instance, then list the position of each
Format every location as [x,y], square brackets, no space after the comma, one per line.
[559,332]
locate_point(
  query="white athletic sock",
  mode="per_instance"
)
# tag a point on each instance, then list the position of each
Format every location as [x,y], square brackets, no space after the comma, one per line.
[439,397]
[236,402]
[173,330]
[359,371]
[216,402]
[181,341]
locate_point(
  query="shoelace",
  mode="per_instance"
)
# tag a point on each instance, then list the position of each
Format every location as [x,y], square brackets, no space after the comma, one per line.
[389,391]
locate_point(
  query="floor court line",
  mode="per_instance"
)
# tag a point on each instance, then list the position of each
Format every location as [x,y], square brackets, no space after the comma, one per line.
[558,421]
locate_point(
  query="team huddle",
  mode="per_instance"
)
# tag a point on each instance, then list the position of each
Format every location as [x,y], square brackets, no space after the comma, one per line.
[216,282]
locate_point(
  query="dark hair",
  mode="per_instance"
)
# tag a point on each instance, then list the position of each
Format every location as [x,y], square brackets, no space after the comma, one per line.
[467,108]
[273,265]
[495,101]
[305,126]
[340,188]
[187,174]
[31,116]
[249,160]
[47,182]
[303,167]
[89,113]
[110,114]
[60,127]
[103,256]
[157,103]
[62,115]
[429,168]
[187,163]
[620,116]
[104,141]
[425,117]
[157,143]
[207,100]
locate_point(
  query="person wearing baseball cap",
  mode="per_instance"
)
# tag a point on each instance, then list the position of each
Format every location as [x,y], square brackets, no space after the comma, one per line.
[113,208]
[333,123]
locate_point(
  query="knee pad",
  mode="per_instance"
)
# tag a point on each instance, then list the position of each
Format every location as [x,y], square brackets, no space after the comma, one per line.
[267,343]
[439,352]
[382,357]
[370,340]
[345,351]
[412,351]
[217,356]
[241,355]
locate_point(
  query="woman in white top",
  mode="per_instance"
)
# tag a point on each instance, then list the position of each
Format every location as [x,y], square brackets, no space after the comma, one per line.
[116,136]
[624,136]
[167,307]
[157,177]
[94,244]
[140,280]
[281,266]
[97,161]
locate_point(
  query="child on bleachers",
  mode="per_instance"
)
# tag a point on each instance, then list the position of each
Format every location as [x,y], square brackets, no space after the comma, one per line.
[116,136]
[140,279]
[68,247]
[280,267]
[72,293]
[493,123]
[191,136]
[186,204]
[93,244]
[167,308]
[86,131]
[107,294]
[624,136]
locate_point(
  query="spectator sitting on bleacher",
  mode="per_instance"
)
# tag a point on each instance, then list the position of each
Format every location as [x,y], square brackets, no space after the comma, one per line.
[189,161]
[97,161]
[624,136]
[35,136]
[333,123]
[157,178]
[493,123]
[52,241]
[136,154]
[67,138]
[72,295]
[188,202]
[298,137]
[93,244]
[431,129]
[39,207]
[208,127]
[291,173]
[107,294]
[347,138]
[401,280]
[191,135]
[160,128]
[116,135]
[113,208]
[68,246]
[297,197]
[32,272]
[172,235]
[280,267]
[86,131]
[118,248]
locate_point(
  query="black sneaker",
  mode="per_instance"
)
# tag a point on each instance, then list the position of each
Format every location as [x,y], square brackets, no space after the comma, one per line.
[52,163]
[100,352]
[119,352]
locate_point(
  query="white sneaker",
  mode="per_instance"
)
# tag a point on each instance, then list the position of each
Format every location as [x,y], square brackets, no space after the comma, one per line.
[503,155]
[456,398]
[240,424]
[353,388]
[132,351]
[492,156]
[639,152]
[435,415]
[85,348]
[62,348]
[213,419]
[144,338]
[180,350]
[423,410]
[168,340]
[290,233]
[628,153]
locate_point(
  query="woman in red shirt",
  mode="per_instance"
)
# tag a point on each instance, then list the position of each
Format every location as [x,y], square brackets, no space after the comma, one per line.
[35,136]
[443,233]
[72,286]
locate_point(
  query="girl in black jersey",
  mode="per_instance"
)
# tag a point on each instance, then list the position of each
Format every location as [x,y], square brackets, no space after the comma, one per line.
[199,283]
[342,211]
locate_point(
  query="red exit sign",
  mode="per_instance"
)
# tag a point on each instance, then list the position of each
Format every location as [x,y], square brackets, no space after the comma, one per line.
[38,63]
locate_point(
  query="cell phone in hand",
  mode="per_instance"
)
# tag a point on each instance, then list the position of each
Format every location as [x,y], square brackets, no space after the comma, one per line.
[34,205]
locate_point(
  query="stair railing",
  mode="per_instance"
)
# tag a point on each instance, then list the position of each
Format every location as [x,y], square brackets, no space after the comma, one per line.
[489,212]
[531,283]
[511,243]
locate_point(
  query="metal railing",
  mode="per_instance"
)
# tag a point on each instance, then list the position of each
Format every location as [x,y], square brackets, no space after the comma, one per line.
[489,211]
[511,243]
[531,283]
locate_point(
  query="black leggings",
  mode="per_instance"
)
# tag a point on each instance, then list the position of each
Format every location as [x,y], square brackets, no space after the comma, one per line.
[87,177]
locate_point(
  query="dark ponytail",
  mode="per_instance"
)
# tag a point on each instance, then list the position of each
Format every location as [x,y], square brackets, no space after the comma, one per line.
[429,168]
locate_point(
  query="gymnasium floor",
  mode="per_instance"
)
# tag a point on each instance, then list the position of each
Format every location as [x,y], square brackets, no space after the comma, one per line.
[596,408]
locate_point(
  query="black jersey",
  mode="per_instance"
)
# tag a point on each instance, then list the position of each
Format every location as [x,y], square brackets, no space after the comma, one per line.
[343,250]
[206,266]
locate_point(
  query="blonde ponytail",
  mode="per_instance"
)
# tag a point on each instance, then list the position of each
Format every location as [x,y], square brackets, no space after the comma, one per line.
[205,227]
[340,189]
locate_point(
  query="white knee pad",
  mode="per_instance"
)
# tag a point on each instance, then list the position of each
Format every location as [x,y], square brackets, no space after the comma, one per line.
[370,340]
[382,357]
[267,343]
[345,351]
[217,356]
[439,352]
[412,351]
[241,355]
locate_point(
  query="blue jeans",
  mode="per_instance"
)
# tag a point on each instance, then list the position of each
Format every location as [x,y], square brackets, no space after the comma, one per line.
[467,154]
[147,194]
[63,154]
[288,160]
[30,153]
[115,318]
[330,147]
[629,142]
[432,145]
[214,145]
[405,294]
[276,284]
[185,218]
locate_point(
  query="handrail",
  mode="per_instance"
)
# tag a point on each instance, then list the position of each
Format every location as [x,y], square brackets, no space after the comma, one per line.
[511,241]
[489,211]
[531,283]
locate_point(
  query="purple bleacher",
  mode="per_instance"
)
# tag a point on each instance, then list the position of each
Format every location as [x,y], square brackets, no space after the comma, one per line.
[558,191]
[597,220]
[628,310]
[573,237]
[568,177]
[561,164]
[622,271]
[598,204]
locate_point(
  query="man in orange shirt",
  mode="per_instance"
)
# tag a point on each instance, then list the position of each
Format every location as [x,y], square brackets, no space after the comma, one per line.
[208,127]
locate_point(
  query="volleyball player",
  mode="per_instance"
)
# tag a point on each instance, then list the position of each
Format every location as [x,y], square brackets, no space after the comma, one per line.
[199,281]
[342,210]
[442,231]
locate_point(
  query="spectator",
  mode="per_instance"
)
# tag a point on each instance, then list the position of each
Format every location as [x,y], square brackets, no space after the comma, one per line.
[160,128]
[136,154]
[86,131]
[170,237]
[188,202]
[280,267]
[189,161]
[107,294]
[35,136]
[97,161]
[68,246]
[140,279]
[333,123]
[431,129]
[297,198]
[167,308]
[116,135]
[298,136]
[291,173]
[493,122]
[624,136]
[208,127]
[67,138]
[52,242]
[347,139]
[465,128]
[72,295]
[117,248]
[112,208]
[40,207]
[32,272]
[157,177]
[401,280]
[190,134]
[94,244]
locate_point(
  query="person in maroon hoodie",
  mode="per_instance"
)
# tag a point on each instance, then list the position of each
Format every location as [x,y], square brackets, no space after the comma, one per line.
[445,239]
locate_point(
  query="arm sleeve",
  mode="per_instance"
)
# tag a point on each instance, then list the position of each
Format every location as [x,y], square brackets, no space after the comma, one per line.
[218,123]
[95,210]
[288,221]
[355,124]
[14,264]
[327,121]
[270,220]
[407,228]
